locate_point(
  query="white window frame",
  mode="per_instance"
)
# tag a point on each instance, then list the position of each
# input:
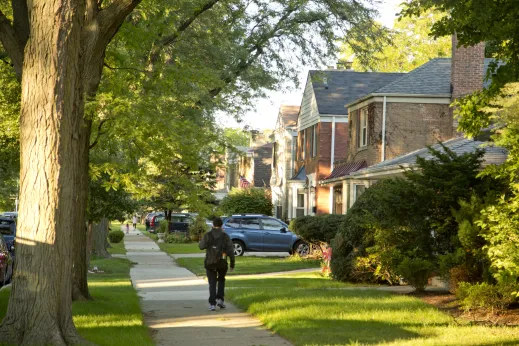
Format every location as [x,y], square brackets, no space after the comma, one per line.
[363,127]
[355,191]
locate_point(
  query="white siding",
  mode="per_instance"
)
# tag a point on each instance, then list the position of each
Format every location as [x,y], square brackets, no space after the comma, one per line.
[309,114]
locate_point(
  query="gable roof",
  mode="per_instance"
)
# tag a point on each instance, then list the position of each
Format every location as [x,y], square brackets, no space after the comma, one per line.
[333,89]
[300,175]
[289,115]
[431,78]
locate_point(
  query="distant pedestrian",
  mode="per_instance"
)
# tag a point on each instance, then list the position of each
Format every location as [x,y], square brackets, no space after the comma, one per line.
[134,219]
[218,246]
[127,228]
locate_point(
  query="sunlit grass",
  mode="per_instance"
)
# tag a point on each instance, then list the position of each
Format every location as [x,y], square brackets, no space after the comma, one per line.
[309,309]
[252,265]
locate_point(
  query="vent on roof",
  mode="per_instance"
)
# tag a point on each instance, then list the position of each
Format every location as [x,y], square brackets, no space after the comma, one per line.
[325,82]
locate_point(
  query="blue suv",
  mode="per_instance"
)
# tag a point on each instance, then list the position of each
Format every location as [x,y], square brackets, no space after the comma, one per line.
[260,233]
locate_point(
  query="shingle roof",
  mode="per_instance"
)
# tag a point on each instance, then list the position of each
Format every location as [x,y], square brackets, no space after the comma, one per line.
[432,78]
[289,115]
[344,169]
[493,154]
[300,175]
[345,86]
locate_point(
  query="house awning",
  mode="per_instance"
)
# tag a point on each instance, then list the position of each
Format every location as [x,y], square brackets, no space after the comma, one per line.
[344,169]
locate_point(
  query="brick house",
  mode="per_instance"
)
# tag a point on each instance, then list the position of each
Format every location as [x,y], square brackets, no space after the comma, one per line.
[404,116]
[322,134]
[283,158]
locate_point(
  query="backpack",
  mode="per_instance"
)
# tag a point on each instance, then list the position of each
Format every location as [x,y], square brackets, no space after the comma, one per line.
[215,250]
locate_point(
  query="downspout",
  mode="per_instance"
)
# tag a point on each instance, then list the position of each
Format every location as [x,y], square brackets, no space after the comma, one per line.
[384,131]
[332,156]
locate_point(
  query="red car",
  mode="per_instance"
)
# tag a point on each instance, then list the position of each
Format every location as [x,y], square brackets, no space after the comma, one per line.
[6,263]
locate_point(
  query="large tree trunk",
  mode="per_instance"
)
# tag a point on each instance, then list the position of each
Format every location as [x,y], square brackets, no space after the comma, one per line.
[100,233]
[80,260]
[40,307]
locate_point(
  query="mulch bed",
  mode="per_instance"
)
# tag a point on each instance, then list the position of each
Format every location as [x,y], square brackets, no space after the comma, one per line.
[446,302]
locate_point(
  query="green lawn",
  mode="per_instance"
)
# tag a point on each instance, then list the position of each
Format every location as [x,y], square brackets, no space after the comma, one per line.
[114,317]
[174,248]
[117,248]
[180,248]
[253,265]
[311,310]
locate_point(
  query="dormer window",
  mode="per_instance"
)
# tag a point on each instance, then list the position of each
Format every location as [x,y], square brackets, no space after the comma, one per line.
[363,127]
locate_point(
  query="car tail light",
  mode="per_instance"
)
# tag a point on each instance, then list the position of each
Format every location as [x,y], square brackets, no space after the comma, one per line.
[152,222]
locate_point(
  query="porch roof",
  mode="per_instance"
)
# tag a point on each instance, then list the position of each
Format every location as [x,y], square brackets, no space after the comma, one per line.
[343,169]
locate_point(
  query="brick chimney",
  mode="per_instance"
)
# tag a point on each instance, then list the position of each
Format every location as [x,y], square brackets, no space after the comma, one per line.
[467,72]
[467,68]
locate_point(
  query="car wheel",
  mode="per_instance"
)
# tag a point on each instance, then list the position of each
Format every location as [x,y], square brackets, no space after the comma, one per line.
[239,248]
[302,249]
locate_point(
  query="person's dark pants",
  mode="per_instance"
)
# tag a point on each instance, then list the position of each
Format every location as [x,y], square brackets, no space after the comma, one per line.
[134,226]
[214,276]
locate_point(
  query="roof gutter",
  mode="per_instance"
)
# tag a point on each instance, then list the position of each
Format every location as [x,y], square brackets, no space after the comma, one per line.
[384,112]
[396,95]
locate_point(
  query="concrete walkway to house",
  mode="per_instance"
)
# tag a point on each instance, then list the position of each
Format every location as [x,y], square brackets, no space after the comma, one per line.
[174,303]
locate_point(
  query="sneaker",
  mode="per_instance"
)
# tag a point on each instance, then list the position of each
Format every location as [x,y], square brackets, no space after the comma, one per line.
[212,308]
[220,304]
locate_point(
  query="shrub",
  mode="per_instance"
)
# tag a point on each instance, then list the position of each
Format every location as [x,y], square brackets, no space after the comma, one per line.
[416,271]
[116,236]
[163,226]
[317,229]
[243,201]
[457,275]
[177,238]
[486,296]
[198,228]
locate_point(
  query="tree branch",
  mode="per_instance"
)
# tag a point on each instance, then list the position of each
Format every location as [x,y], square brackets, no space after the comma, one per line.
[11,44]
[99,133]
[125,68]
[168,40]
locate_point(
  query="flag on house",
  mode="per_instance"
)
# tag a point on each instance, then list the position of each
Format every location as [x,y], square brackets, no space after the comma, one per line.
[244,183]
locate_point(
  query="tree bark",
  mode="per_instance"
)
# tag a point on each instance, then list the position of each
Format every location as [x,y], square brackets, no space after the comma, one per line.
[40,308]
[100,233]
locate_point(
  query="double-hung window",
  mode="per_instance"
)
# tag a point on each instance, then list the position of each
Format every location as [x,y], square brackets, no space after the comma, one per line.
[363,127]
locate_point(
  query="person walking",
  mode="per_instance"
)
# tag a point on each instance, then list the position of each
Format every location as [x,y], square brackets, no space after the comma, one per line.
[218,246]
[134,220]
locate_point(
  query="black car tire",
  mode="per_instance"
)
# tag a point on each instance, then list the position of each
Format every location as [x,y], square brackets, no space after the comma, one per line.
[239,247]
[302,249]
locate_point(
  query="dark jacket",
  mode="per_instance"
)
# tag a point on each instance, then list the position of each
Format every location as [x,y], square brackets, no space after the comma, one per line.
[228,247]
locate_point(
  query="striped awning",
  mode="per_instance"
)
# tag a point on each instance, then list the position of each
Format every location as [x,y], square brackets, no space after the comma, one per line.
[344,169]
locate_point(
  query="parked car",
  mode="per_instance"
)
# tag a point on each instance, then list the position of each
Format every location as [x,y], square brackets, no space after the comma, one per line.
[6,263]
[153,220]
[8,231]
[180,222]
[11,214]
[261,233]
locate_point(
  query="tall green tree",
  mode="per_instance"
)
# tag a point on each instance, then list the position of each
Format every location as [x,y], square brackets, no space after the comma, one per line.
[411,45]
[60,46]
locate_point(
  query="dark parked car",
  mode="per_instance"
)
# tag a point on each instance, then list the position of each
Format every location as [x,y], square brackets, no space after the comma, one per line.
[180,222]
[11,214]
[152,221]
[6,263]
[260,233]
[8,231]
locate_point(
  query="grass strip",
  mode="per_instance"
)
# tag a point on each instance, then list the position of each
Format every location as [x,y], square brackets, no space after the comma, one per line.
[253,265]
[307,312]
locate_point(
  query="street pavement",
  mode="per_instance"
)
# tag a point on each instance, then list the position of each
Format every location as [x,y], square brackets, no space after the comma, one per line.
[175,307]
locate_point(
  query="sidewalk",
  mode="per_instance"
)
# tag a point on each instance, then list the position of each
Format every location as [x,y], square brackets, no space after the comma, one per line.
[174,303]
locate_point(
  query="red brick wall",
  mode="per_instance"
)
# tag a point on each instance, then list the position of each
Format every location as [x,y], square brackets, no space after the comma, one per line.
[409,127]
[341,141]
